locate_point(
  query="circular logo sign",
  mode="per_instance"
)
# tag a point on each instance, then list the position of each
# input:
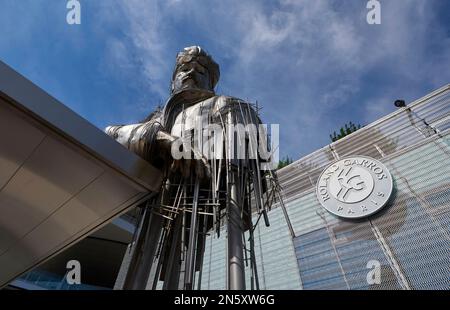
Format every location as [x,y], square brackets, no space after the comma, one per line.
[354,187]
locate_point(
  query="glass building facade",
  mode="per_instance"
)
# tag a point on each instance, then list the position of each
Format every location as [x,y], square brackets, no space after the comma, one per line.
[100,255]
[408,238]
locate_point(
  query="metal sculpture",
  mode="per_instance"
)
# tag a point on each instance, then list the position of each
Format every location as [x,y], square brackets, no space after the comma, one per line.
[214,154]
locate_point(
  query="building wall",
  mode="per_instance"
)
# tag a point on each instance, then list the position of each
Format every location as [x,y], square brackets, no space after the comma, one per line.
[275,258]
[409,237]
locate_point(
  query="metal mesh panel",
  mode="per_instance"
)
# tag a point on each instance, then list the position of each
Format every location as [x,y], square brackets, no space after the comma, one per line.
[356,246]
[275,271]
[336,258]
[318,266]
[416,230]
[303,175]
[395,132]
[214,263]
[409,237]
[306,214]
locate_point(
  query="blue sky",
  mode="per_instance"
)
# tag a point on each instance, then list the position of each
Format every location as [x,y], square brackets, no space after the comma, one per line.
[312,65]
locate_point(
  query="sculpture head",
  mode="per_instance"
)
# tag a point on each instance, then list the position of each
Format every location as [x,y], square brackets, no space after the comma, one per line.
[194,69]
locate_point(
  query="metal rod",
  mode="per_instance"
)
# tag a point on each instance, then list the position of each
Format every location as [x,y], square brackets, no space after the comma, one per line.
[286,216]
[183,225]
[236,280]
[190,263]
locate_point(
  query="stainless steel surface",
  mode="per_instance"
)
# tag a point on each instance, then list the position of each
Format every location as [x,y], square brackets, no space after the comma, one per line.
[60,177]
[193,236]
[236,269]
[202,200]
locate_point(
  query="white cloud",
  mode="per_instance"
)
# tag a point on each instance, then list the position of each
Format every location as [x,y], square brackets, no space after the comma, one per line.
[307,62]
[377,108]
[312,65]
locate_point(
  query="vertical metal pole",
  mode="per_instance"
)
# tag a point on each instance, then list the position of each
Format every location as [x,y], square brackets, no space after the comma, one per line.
[159,258]
[172,276]
[138,273]
[236,275]
[183,239]
[253,265]
[255,280]
[235,261]
[192,249]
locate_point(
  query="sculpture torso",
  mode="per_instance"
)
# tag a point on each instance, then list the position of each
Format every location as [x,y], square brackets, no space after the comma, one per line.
[189,204]
[196,121]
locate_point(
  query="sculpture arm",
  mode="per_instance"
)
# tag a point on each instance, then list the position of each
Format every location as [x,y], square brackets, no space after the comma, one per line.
[147,139]
[152,143]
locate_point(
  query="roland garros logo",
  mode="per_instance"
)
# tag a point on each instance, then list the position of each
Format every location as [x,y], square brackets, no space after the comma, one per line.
[354,187]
